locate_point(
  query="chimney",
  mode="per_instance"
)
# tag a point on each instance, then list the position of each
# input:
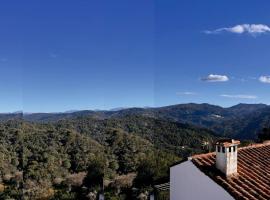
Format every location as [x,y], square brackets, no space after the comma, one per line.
[226,156]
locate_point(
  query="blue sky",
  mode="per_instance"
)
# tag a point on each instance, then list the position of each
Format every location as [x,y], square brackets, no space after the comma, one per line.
[86,54]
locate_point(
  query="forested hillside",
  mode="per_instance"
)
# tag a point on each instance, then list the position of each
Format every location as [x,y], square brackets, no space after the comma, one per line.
[163,134]
[237,121]
[74,158]
[126,152]
[245,127]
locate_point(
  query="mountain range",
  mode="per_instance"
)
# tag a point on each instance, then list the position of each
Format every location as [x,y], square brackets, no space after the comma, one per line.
[56,154]
[242,121]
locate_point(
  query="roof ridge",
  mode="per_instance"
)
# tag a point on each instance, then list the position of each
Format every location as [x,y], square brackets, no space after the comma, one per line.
[203,154]
[255,145]
[240,148]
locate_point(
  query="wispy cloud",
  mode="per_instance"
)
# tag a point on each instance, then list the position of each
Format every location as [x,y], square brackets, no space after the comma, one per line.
[215,78]
[239,96]
[265,79]
[251,29]
[186,93]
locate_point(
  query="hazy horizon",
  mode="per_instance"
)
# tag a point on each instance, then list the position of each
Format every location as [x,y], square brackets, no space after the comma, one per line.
[122,108]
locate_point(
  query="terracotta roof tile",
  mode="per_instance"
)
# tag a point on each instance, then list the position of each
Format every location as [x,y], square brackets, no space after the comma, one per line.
[253,179]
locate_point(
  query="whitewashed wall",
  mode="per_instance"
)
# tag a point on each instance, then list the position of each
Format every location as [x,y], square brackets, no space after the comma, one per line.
[187,182]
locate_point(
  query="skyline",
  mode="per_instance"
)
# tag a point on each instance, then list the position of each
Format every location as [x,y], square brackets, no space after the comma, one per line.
[88,55]
[122,108]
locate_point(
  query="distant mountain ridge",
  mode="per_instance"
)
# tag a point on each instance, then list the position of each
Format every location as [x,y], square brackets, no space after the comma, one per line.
[181,112]
[241,121]
[10,116]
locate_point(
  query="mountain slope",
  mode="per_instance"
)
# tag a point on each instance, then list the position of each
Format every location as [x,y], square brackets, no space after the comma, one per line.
[246,127]
[62,158]
[241,121]
[168,135]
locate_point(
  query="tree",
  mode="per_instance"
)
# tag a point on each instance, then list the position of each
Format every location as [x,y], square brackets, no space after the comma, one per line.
[95,174]
[264,135]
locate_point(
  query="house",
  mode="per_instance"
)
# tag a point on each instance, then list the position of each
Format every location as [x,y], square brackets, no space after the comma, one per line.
[228,173]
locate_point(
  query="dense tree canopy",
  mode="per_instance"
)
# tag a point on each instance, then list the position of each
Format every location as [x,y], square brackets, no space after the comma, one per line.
[77,158]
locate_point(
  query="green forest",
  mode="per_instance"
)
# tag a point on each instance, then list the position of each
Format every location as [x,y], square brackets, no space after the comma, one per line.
[78,158]
[121,154]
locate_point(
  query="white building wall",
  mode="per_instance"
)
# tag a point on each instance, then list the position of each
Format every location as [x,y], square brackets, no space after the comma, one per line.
[187,182]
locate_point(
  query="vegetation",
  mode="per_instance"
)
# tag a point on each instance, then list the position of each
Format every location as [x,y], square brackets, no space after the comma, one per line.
[123,154]
[242,121]
[77,158]
[264,135]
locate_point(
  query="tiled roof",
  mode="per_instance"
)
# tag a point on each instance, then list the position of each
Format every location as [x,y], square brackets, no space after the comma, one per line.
[253,179]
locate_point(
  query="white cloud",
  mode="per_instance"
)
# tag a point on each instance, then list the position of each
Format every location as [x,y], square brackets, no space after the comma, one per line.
[186,93]
[215,78]
[265,79]
[239,96]
[252,29]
